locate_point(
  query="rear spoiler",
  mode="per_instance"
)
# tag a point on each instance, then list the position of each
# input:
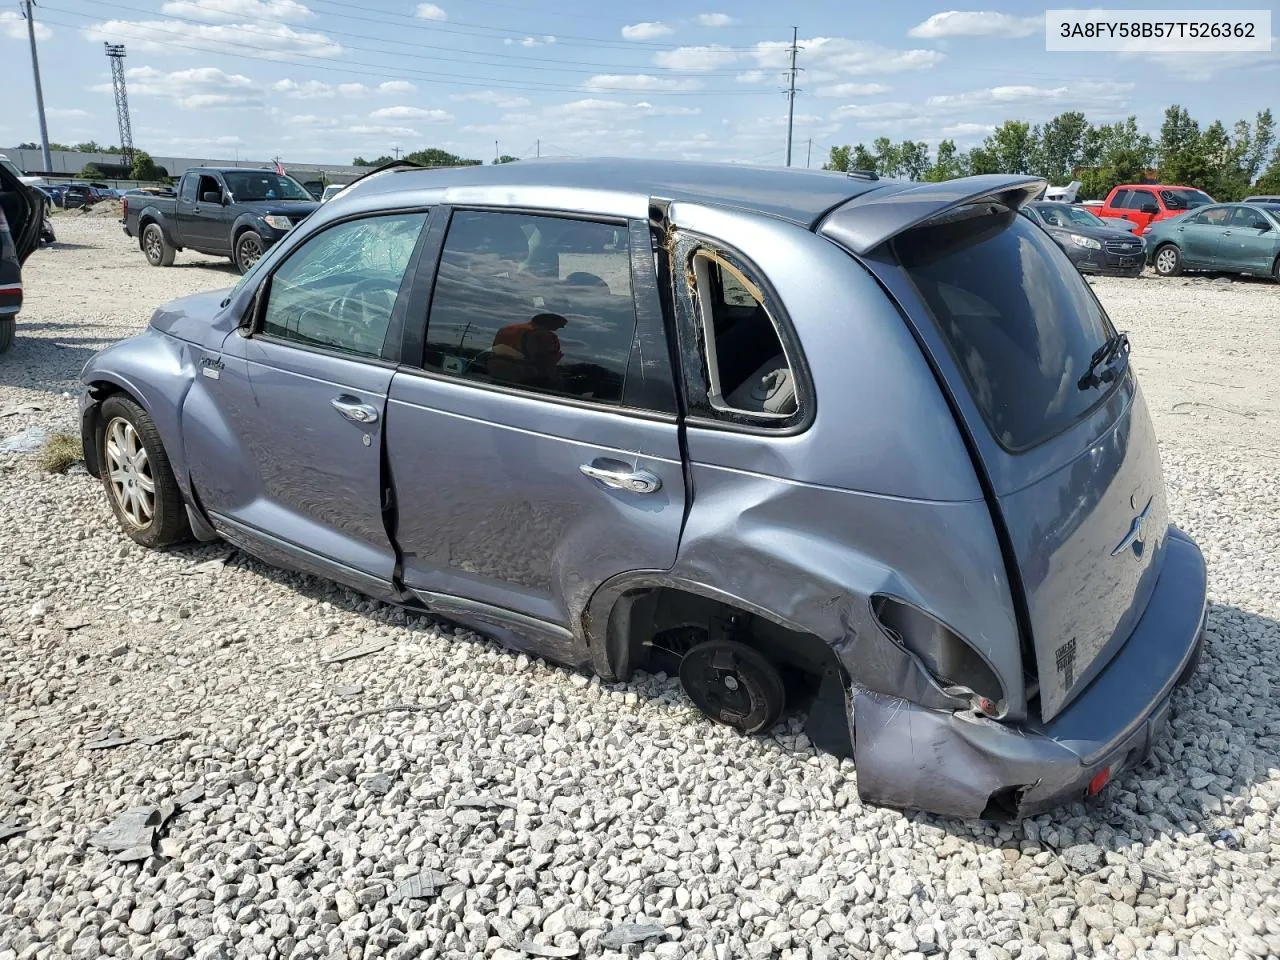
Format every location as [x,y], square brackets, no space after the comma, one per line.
[390,165]
[876,217]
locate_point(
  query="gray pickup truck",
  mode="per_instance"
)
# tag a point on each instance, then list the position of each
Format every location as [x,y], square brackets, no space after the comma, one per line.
[224,212]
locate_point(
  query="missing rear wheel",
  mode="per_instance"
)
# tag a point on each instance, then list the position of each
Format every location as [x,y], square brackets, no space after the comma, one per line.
[733,684]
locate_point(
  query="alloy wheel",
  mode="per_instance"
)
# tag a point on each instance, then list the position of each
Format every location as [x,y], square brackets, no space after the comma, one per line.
[130,472]
[1166,260]
[250,250]
[153,246]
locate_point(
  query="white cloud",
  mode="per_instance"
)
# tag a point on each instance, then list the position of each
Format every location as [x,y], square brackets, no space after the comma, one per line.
[312,120]
[753,76]
[873,111]
[1205,66]
[852,90]
[14,26]
[410,113]
[503,101]
[967,130]
[531,41]
[233,9]
[68,113]
[714,19]
[588,105]
[274,42]
[849,57]
[397,86]
[1079,94]
[975,23]
[696,59]
[381,130]
[429,11]
[318,90]
[192,89]
[637,81]
[646,30]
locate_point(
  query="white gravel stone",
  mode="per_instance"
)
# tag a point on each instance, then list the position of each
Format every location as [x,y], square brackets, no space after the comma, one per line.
[491,799]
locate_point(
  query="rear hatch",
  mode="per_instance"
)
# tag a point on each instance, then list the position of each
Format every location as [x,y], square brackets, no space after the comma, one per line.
[1067,445]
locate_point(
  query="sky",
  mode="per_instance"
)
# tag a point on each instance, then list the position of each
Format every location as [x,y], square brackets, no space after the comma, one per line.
[328,80]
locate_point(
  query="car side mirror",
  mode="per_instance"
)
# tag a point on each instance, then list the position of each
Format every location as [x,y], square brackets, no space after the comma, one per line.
[211,196]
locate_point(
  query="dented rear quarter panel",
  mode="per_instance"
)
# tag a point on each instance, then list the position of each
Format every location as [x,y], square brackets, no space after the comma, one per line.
[877,494]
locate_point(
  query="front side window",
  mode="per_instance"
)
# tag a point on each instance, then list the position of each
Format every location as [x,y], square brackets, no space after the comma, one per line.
[1016,315]
[337,290]
[534,302]
[1248,219]
[745,364]
[1142,200]
[251,187]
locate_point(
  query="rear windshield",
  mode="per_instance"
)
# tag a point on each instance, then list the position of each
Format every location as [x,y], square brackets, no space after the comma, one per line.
[1017,316]
[1185,199]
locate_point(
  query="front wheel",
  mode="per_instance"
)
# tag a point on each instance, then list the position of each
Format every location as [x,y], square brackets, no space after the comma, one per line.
[1168,261]
[135,470]
[158,250]
[8,329]
[248,250]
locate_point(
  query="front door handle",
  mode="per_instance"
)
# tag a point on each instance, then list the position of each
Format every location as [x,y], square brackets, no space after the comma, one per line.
[619,476]
[355,411]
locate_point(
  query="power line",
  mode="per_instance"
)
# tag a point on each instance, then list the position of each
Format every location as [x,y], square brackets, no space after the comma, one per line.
[323,64]
[417,46]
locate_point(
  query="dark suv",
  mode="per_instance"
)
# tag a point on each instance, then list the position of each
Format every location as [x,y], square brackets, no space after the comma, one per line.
[21,218]
[870,449]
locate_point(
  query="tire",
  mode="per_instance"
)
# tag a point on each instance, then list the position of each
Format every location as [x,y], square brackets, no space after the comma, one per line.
[157,249]
[1168,261]
[157,518]
[1275,275]
[248,251]
[8,329]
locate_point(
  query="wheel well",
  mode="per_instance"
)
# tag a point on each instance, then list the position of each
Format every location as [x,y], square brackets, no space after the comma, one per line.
[650,625]
[142,228]
[100,390]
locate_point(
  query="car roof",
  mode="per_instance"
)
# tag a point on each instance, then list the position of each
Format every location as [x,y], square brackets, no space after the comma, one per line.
[230,170]
[801,196]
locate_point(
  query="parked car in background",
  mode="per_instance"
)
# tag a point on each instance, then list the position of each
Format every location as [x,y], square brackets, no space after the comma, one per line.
[1263,198]
[79,195]
[1145,204]
[1232,237]
[17,174]
[331,191]
[233,212]
[1093,246]
[619,413]
[21,207]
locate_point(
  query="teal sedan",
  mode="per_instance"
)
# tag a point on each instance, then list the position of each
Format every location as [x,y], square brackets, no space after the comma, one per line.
[1231,237]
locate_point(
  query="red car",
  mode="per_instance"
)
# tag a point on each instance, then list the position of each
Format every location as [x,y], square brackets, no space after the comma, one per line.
[1145,203]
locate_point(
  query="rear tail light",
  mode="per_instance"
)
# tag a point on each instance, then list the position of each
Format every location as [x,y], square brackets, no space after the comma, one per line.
[124,206]
[1099,781]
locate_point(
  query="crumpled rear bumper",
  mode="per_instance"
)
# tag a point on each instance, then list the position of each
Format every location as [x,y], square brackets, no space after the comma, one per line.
[964,765]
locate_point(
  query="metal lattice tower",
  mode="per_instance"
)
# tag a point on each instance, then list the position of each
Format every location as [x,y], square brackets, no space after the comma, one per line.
[115,53]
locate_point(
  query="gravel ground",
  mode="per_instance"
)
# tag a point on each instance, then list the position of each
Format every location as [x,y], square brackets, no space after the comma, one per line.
[443,798]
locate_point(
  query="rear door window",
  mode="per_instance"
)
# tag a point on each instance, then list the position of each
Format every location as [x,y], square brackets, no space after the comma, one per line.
[1016,315]
[1121,200]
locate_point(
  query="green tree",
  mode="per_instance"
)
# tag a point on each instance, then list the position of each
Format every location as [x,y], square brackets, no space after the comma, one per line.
[1121,154]
[1062,147]
[90,172]
[1269,182]
[1182,158]
[838,159]
[1012,147]
[506,158]
[435,157]
[947,163]
[144,168]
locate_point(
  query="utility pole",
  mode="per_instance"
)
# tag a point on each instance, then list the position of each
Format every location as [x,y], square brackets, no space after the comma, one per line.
[115,53]
[539,148]
[396,151]
[28,11]
[808,154]
[791,92]
[495,151]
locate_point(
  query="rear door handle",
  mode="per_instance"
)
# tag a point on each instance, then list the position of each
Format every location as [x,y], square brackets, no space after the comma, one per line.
[619,476]
[355,411]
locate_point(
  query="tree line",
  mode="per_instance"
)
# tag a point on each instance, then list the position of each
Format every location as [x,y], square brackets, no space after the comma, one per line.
[1227,165]
[430,157]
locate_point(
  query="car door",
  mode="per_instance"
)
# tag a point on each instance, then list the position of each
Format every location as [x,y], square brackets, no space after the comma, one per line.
[209,225]
[534,447]
[284,428]
[1200,236]
[1248,243]
[1143,207]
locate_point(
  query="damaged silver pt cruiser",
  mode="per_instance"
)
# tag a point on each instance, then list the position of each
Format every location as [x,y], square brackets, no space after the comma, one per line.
[868,449]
